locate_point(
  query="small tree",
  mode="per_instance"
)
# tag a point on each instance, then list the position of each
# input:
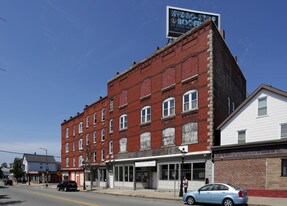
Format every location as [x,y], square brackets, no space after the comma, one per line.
[4,165]
[17,168]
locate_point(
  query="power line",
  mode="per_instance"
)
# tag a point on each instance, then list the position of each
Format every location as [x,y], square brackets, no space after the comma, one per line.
[11,152]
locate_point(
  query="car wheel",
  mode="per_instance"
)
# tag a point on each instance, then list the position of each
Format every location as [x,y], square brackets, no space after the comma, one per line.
[65,189]
[228,202]
[58,188]
[190,200]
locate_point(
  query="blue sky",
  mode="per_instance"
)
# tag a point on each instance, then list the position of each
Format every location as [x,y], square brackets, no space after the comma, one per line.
[59,55]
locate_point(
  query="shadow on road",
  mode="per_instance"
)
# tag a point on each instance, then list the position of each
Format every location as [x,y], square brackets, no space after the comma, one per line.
[4,197]
[2,187]
[10,202]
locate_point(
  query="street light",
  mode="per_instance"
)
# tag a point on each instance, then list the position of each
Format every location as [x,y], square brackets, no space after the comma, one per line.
[47,169]
[183,152]
[84,168]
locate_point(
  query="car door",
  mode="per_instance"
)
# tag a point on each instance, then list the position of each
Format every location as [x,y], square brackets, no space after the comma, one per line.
[203,195]
[218,192]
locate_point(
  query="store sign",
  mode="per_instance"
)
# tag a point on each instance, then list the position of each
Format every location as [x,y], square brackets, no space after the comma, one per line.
[146,164]
[179,21]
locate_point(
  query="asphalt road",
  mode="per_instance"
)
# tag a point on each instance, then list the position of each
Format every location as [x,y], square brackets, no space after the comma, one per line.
[22,195]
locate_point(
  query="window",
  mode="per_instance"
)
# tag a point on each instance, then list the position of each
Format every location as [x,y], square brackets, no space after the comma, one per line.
[81,159]
[199,171]
[74,147]
[241,136]
[111,104]
[111,125]
[123,144]
[190,101]
[80,144]
[95,136]
[123,98]
[146,114]
[145,141]
[103,154]
[169,172]
[168,136]
[146,88]
[284,167]
[168,77]
[87,121]
[67,162]
[189,68]
[168,107]
[80,127]
[262,106]
[67,147]
[95,118]
[189,133]
[95,156]
[123,122]
[111,147]
[74,130]
[103,115]
[87,139]
[67,132]
[283,130]
[103,135]
[74,162]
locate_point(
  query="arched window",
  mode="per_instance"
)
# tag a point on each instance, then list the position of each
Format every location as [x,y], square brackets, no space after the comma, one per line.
[190,100]
[146,114]
[168,107]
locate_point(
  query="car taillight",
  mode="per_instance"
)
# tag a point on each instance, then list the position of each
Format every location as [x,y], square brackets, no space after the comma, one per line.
[240,194]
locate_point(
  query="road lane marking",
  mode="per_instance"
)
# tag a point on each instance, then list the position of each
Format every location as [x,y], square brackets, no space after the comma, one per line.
[66,199]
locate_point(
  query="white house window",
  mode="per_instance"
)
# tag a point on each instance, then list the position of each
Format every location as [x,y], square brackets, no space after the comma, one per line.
[241,136]
[123,145]
[103,154]
[111,104]
[103,115]
[146,114]
[87,139]
[67,162]
[81,159]
[262,106]
[111,125]
[95,118]
[67,147]
[95,136]
[95,156]
[67,132]
[111,147]
[190,100]
[81,127]
[168,107]
[87,121]
[189,133]
[80,144]
[283,130]
[145,141]
[74,130]
[123,121]
[103,135]
[168,136]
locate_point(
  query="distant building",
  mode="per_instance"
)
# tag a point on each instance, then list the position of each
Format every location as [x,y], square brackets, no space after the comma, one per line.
[39,168]
[170,101]
[253,150]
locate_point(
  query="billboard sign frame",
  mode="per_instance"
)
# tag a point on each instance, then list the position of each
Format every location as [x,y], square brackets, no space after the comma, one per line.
[183,20]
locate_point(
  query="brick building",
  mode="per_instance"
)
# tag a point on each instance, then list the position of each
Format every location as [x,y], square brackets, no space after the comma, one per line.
[170,101]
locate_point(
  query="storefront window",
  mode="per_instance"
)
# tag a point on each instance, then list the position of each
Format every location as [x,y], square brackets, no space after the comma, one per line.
[173,172]
[141,175]
[130,173]
[164,172]
[186,170]
[198,171]
[121,174]
[116,173]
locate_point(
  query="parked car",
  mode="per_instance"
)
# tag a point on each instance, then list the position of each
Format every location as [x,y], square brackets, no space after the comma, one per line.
[8,182]
[67,185]
[216,193]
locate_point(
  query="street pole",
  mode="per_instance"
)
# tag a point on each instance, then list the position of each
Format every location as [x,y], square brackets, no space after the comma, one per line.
[47,168]
[183,152]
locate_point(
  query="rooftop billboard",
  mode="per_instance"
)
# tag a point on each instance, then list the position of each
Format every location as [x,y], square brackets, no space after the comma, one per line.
[179,21]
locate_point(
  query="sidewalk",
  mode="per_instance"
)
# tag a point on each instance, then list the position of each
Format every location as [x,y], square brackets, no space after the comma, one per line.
[170,195]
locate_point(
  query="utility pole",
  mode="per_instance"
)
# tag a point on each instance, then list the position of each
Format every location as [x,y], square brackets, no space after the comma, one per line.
[47,168]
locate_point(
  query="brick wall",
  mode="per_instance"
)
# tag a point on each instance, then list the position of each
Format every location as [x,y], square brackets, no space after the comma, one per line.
[245,173]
